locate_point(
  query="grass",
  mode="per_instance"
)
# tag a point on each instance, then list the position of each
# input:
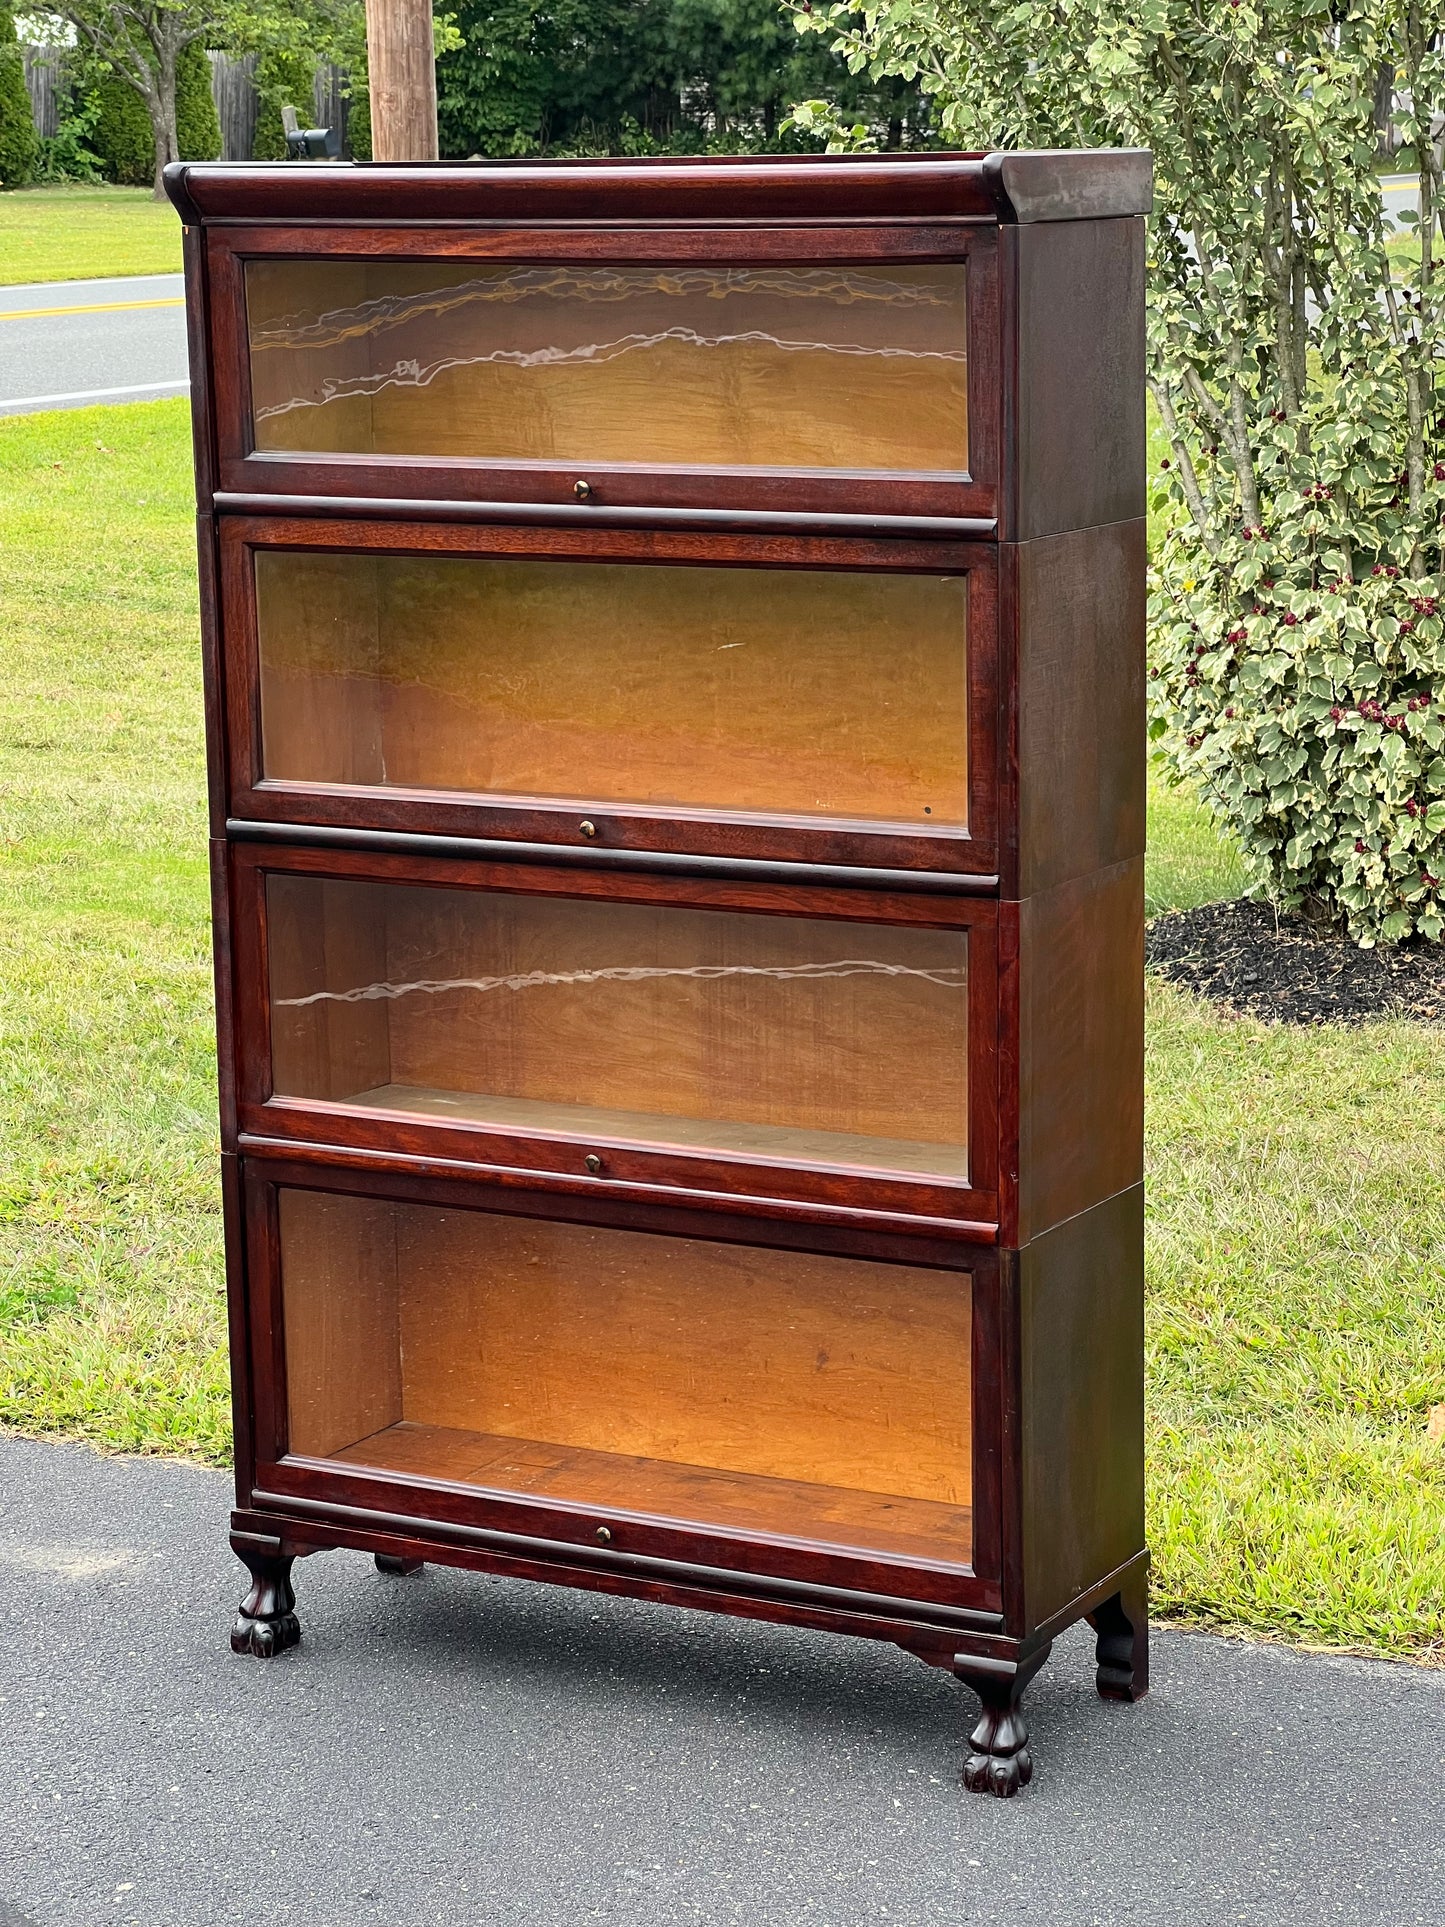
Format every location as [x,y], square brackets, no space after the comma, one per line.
[83,233]
[1296,1328]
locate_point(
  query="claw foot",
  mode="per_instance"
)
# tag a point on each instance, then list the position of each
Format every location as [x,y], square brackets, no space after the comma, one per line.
[999,1761]
[267,1622]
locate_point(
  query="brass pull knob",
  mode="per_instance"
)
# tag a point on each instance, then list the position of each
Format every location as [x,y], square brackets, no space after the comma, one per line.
[587,826]
[593,1162]
[604,1535]
[582,490]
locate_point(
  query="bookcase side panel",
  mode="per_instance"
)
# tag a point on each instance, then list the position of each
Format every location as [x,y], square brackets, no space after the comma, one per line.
[1077,289]
[1080,1045]
[1081,1336]
[1081,725]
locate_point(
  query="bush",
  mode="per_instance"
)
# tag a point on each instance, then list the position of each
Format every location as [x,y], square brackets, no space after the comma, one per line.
[19,143]
[1298,669]
[122,135]
[281,80]
[198,125]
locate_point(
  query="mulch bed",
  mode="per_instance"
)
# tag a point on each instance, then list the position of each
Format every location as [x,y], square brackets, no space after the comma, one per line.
[1292,972]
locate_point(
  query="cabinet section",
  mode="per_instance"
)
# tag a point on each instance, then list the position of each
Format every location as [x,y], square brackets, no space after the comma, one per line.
[817,698]
[783,1044]
[734,1033]
[817,1398]
[708,364]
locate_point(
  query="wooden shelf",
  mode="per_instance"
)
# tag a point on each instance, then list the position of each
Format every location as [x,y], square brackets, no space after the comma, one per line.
[594,1123]
[656,1488]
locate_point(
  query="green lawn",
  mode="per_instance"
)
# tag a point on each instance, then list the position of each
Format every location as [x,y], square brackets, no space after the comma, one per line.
[82,233]
[1297,1222]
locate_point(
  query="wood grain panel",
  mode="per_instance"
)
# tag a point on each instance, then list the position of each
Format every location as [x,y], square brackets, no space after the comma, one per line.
[806,1024]
[1079,456]
[660,1489]
[778,1364]
[1081,1348]
[339,1297]
[314,936]
[743,689]
[322,724]
[709,365]
[1081,1045]
[1081,721]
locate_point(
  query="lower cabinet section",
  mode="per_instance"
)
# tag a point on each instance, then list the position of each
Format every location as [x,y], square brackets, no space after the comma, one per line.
[820,1399]
[919,1439]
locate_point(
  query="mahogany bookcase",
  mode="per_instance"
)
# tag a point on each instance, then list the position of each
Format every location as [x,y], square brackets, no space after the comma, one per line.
[674,655]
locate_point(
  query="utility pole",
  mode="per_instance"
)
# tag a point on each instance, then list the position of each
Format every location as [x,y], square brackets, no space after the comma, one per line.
[401,59]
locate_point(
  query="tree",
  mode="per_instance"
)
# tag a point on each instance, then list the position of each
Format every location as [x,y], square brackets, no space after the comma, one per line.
[19,144]
[1294,358]
[142,44]
[120,128]
[644,76]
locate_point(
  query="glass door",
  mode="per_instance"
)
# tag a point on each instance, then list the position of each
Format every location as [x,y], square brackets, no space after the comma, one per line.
[805,1040]
[783,1394]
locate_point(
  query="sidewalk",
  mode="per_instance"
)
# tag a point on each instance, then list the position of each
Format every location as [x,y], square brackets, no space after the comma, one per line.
[449,1748]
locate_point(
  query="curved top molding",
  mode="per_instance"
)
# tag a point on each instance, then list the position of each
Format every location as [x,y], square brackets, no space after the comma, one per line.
[1064,185]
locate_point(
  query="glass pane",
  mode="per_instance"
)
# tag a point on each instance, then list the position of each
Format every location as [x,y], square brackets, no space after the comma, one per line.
[706,365]
[795,691]
[751,1036]
[771,1391]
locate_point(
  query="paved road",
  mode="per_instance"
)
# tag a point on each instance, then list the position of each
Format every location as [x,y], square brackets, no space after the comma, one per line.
[449,1748]
[70,344]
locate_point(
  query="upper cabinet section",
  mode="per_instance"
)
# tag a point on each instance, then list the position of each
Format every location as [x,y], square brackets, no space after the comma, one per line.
[705,365]
[797,342]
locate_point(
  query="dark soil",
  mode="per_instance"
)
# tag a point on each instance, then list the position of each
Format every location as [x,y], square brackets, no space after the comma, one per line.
[1293,972]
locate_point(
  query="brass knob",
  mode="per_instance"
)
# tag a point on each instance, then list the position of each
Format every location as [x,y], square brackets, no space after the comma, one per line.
[582,490]
[587,826]
[593,1162]
[604,1535]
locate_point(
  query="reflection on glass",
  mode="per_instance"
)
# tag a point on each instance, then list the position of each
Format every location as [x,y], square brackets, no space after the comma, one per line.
[748,1036]
[794,691]
[763,1391]
[777,366]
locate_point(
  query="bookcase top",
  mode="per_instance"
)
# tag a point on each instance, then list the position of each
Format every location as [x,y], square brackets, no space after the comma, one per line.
[1056,185]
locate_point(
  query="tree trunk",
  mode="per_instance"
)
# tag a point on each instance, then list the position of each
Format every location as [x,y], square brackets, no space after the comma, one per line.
[161,105]
[401,60]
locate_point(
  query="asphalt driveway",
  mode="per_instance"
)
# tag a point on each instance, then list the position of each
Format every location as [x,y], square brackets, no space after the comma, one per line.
[453,1748]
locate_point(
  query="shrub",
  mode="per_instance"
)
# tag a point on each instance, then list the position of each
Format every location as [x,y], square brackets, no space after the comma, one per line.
[198,125]
[1298,670]
[19,143]
[281,80]
[122,134]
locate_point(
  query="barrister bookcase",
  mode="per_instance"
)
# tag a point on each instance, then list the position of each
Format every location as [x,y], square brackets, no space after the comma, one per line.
[673,636]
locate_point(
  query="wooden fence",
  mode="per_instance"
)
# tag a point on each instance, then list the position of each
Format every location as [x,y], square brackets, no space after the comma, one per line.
[233,87]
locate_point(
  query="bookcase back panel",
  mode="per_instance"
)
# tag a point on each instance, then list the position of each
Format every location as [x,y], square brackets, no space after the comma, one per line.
[819,1397]
[805,692]
[818,1040]
[700,364]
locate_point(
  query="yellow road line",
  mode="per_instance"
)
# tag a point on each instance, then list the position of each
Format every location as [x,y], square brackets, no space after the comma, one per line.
[96,307]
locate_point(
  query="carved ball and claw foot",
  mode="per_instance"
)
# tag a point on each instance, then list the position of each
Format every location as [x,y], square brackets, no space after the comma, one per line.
[1121,1624]
[267,1623]
[388,1562]
[999,1761]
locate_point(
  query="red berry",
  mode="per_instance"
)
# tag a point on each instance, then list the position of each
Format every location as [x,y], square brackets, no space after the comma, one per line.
[1337,715]
[1290,618]
[1359,847]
